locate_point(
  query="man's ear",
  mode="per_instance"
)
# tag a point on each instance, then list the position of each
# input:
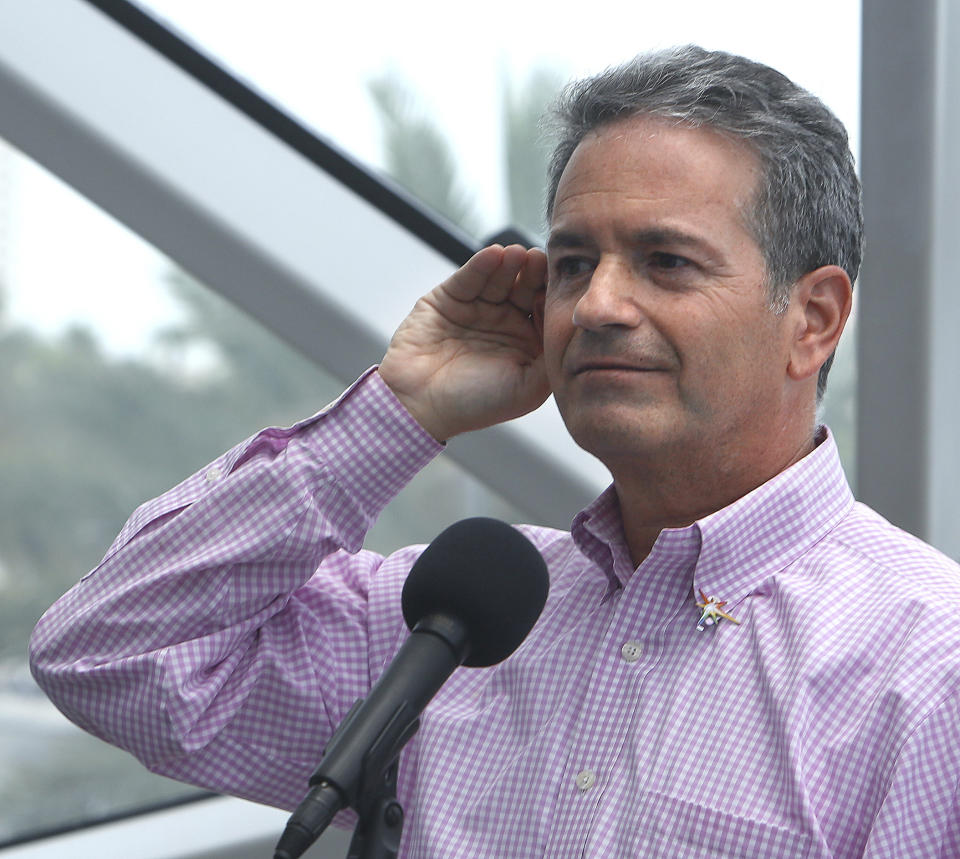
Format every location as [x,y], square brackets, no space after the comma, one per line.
[820,305]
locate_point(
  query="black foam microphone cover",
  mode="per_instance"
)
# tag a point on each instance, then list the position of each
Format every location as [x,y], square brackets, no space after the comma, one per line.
[488,576]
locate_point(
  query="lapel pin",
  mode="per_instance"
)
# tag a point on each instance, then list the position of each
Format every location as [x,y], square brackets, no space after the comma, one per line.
[711,612]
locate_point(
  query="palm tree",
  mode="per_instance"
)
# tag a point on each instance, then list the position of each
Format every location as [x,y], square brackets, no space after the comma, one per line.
[420,158]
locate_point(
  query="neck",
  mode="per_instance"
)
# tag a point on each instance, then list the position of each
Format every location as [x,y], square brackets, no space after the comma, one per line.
[675,491]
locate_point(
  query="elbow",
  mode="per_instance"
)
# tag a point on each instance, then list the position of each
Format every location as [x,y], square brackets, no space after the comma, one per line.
[42,654]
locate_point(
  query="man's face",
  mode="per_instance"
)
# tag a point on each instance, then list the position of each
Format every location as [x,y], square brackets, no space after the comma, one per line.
[658,336]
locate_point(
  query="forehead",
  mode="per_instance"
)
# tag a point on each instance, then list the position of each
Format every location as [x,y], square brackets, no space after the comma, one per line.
[655,163]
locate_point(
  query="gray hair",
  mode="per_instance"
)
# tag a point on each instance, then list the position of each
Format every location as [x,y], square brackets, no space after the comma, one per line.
[807,210]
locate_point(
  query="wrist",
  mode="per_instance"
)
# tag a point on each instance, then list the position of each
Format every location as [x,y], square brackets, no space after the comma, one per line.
[426,419]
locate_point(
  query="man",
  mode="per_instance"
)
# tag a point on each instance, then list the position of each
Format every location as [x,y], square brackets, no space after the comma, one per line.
[735,659]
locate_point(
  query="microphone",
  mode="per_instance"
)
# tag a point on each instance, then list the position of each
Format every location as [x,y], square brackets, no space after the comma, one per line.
[470,599]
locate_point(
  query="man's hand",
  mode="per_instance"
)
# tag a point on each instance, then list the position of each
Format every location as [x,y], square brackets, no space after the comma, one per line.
[469,354]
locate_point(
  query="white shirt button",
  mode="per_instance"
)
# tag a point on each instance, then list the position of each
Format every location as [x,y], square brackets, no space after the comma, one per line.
[585,780]
[631,651]
[213,473]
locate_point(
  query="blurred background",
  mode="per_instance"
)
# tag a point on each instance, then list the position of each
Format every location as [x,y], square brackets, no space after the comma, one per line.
[126,365]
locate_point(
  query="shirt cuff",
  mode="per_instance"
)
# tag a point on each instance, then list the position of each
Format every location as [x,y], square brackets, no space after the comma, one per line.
[369,443]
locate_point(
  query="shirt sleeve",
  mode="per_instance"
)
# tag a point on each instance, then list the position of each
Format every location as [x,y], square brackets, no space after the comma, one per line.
[920,814]
[235,619]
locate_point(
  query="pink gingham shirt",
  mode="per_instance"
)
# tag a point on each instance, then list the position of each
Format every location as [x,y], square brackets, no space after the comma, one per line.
[236,619]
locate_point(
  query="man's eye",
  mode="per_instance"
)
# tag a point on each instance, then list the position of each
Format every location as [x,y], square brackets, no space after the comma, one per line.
[572,266]
[664,260]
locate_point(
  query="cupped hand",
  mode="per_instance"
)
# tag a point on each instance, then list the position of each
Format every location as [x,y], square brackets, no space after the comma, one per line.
[469,354]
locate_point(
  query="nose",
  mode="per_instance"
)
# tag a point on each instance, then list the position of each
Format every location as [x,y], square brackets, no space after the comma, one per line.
[609,299]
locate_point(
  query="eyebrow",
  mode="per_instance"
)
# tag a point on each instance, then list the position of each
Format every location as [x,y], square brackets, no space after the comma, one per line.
[566,239]
[653,236]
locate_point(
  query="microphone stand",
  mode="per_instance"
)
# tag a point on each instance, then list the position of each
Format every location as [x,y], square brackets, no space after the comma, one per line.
[378,831]
[367,743]
[377,834]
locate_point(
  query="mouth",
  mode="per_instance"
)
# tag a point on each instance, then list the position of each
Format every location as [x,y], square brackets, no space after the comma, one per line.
[614,367]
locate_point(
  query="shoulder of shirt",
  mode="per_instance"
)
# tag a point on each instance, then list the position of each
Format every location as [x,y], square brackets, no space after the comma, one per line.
[880,598]
[867,533]
[546,538]
[895,571]
[555,545]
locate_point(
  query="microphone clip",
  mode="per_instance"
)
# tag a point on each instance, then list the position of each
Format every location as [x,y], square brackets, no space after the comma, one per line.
[374,794]
[380,824]
[377,835]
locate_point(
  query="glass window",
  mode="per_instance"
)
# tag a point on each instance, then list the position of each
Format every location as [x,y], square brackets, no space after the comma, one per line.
[470,83]
[122,375]
[446,99]
[106,345]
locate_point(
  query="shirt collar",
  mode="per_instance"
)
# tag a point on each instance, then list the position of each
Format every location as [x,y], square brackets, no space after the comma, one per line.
[598,532]
[740,545]
[769,528]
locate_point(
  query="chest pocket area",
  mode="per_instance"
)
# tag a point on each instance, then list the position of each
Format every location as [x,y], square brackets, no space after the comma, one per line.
[676,829]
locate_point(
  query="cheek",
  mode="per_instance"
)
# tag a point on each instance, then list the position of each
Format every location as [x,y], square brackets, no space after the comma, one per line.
[738,366]
[557,329]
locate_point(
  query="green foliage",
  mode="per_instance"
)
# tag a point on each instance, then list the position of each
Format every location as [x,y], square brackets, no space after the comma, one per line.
[526,151]
[86,437]
[418,156]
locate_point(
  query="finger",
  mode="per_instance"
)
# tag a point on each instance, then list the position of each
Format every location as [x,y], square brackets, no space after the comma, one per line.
[471,278]
[501,281]
[531,280]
